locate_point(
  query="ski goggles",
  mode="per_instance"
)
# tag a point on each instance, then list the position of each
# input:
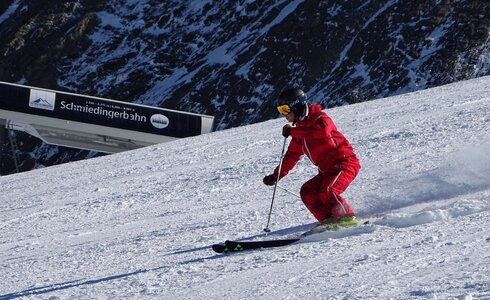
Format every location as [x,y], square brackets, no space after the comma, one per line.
[284,109]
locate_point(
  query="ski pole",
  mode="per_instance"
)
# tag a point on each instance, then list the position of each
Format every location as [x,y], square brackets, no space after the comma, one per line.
[267,229]
[291,192]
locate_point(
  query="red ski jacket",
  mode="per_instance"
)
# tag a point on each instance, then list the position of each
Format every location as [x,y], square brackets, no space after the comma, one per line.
[318,138]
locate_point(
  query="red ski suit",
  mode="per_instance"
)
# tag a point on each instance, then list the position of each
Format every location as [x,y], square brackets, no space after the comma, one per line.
[328,149]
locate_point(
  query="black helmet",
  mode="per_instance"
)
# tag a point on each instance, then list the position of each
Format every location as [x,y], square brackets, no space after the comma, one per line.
[297,100]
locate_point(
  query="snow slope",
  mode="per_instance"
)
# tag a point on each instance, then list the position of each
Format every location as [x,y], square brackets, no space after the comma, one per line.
[140,224]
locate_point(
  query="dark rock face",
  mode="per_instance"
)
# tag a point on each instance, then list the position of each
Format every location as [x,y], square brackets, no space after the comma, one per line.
[230,59]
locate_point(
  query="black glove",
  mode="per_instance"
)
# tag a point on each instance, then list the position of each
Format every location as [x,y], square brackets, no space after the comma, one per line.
[269,180]
[286,130]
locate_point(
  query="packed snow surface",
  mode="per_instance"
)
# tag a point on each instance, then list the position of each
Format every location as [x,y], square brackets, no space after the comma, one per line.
[140,224]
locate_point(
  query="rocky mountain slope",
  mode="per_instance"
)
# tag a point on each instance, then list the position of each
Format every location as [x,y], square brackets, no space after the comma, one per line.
[230,59]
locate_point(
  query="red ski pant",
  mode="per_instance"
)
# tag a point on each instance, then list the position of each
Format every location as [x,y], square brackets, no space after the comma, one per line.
[321,194]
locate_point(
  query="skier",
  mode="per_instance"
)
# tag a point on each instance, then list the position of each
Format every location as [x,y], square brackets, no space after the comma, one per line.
[314,134]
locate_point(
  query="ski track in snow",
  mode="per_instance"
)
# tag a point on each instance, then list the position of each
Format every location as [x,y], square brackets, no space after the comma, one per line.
[140,224]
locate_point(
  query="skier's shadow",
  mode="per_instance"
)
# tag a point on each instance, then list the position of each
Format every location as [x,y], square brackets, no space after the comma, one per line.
[37,291]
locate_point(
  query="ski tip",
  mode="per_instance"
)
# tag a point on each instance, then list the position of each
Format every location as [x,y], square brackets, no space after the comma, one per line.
[227,247]
[220,248]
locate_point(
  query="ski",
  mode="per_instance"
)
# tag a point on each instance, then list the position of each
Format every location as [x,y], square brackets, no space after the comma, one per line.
[237,246]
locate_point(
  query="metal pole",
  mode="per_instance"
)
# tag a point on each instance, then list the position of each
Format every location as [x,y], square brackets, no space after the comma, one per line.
[3,134]
[267,229]
[13,146]
[291,192]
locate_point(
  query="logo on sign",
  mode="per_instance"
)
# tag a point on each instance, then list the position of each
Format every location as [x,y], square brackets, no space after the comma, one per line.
[159,121]
[42,99]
